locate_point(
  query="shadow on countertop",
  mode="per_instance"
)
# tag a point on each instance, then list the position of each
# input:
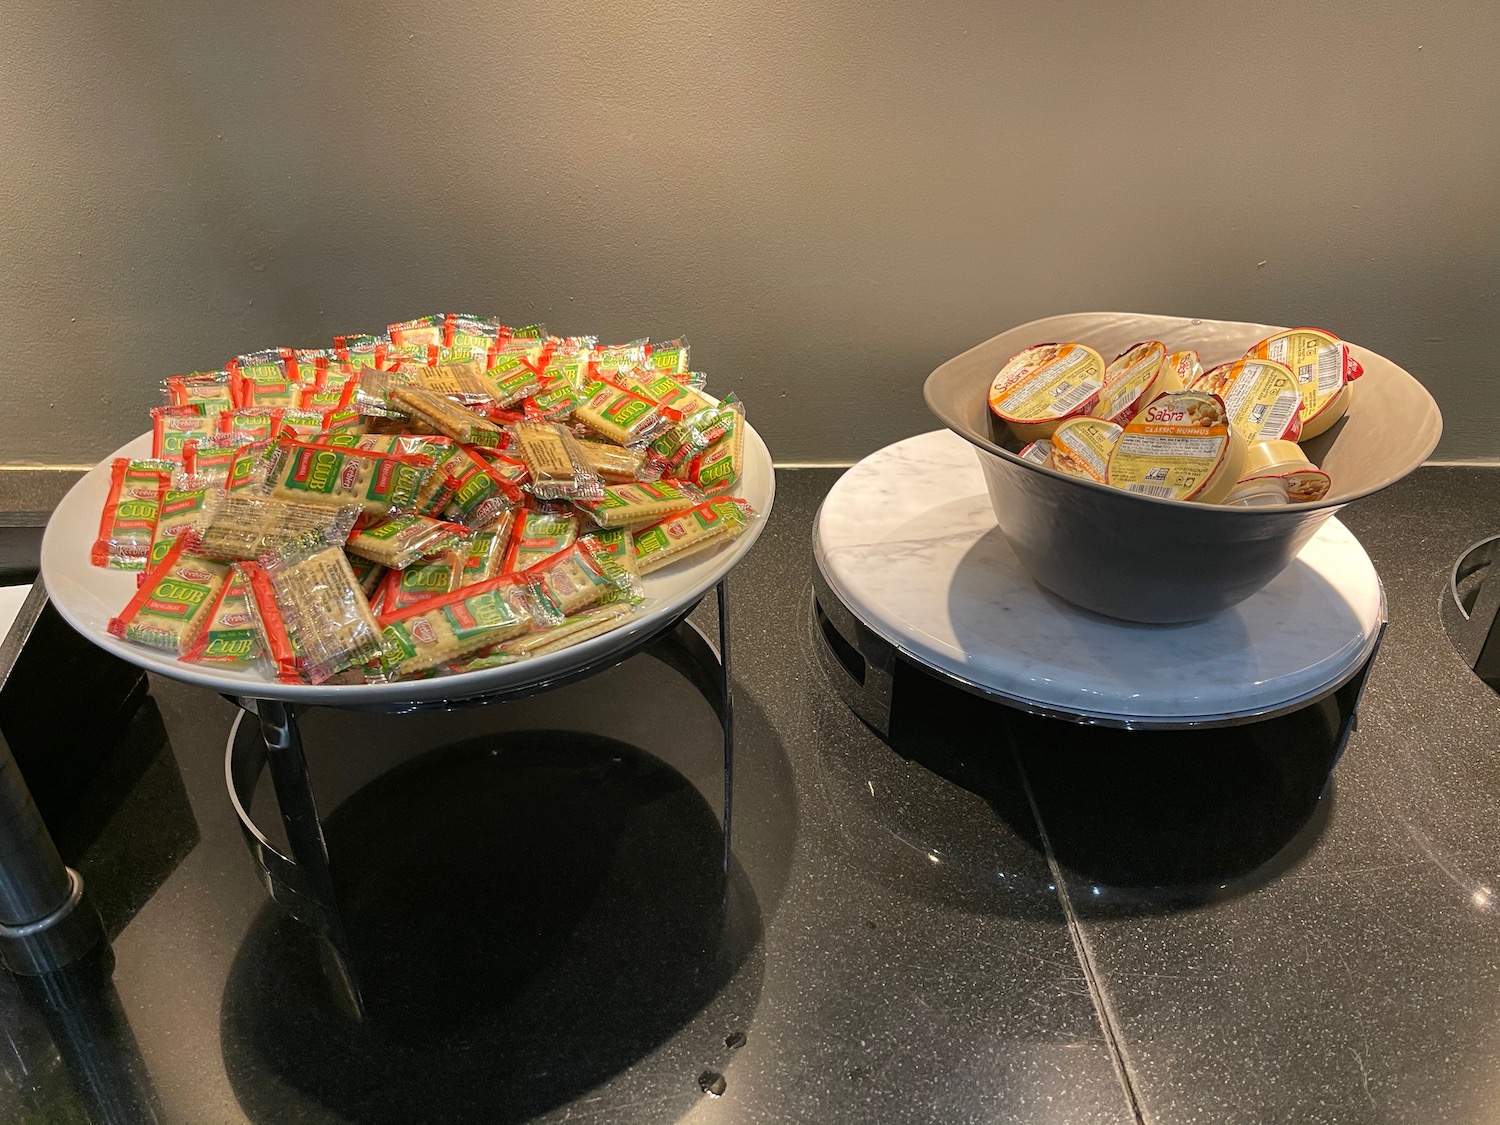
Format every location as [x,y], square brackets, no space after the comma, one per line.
[1140,821]
[531,914]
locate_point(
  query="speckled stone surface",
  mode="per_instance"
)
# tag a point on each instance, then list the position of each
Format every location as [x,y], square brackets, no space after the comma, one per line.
[940,582]
[1187,934]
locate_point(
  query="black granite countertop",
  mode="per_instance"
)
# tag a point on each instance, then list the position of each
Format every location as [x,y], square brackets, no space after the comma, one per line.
[1001,919]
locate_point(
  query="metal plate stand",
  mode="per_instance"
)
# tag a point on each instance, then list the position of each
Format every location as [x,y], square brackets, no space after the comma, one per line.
[302,882]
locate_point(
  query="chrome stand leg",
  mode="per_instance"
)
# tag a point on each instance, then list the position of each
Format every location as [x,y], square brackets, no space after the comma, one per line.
[304,833]
[44,922]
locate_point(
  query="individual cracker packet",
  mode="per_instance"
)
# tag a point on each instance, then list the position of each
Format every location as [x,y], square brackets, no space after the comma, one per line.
[271,633]
[622,416]
[460,379]
[128,521]
[558,470]
[641,502]
[209,389]
[461,330]
[674,450]
[245,526]
[611,359]
[173,425]
[445,416]
[252,423]
[574,630]
[482,554]
[615,464]
[538,534]
[368,573]
[373,387]
[326,613]
[211,459]
[328,390]
[422,580]
[479,489]
[663,389]
[437,488]
[554,404]
[689,533]
[618,543]
[421,332]
[229,638]
[581,576]
[326,474]
[670,356]
[173,602]
[181,507]
[399,541]
[719,467]
[510,379]
[567,364]
[262,383]
[434,445]
[447,627]
[247,472]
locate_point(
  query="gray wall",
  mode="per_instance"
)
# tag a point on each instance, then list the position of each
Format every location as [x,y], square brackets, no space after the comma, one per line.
[827,199]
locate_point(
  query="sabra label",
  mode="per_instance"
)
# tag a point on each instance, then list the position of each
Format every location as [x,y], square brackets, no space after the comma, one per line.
[1081,447]
[1261,396]
[1064,382]
[1128,380]
[1318,360]
[1172,448]
[1303,486]
[1187,368]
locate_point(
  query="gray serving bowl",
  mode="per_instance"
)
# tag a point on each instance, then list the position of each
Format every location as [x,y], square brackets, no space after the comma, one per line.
[1161,561]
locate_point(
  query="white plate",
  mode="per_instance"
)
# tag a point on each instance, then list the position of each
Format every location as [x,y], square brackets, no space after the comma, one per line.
[88,596]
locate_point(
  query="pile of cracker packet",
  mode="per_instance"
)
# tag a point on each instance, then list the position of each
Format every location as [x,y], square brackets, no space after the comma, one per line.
[450,496]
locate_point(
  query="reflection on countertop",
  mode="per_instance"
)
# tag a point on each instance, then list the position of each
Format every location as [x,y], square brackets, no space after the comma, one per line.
[987,917]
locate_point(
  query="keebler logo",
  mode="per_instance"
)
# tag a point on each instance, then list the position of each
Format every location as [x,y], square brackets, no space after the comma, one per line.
[194,575]
[235,620]
[350,476]
[421,629]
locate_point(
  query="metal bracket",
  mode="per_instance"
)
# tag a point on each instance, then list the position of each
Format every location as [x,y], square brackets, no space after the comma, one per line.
[302,882]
